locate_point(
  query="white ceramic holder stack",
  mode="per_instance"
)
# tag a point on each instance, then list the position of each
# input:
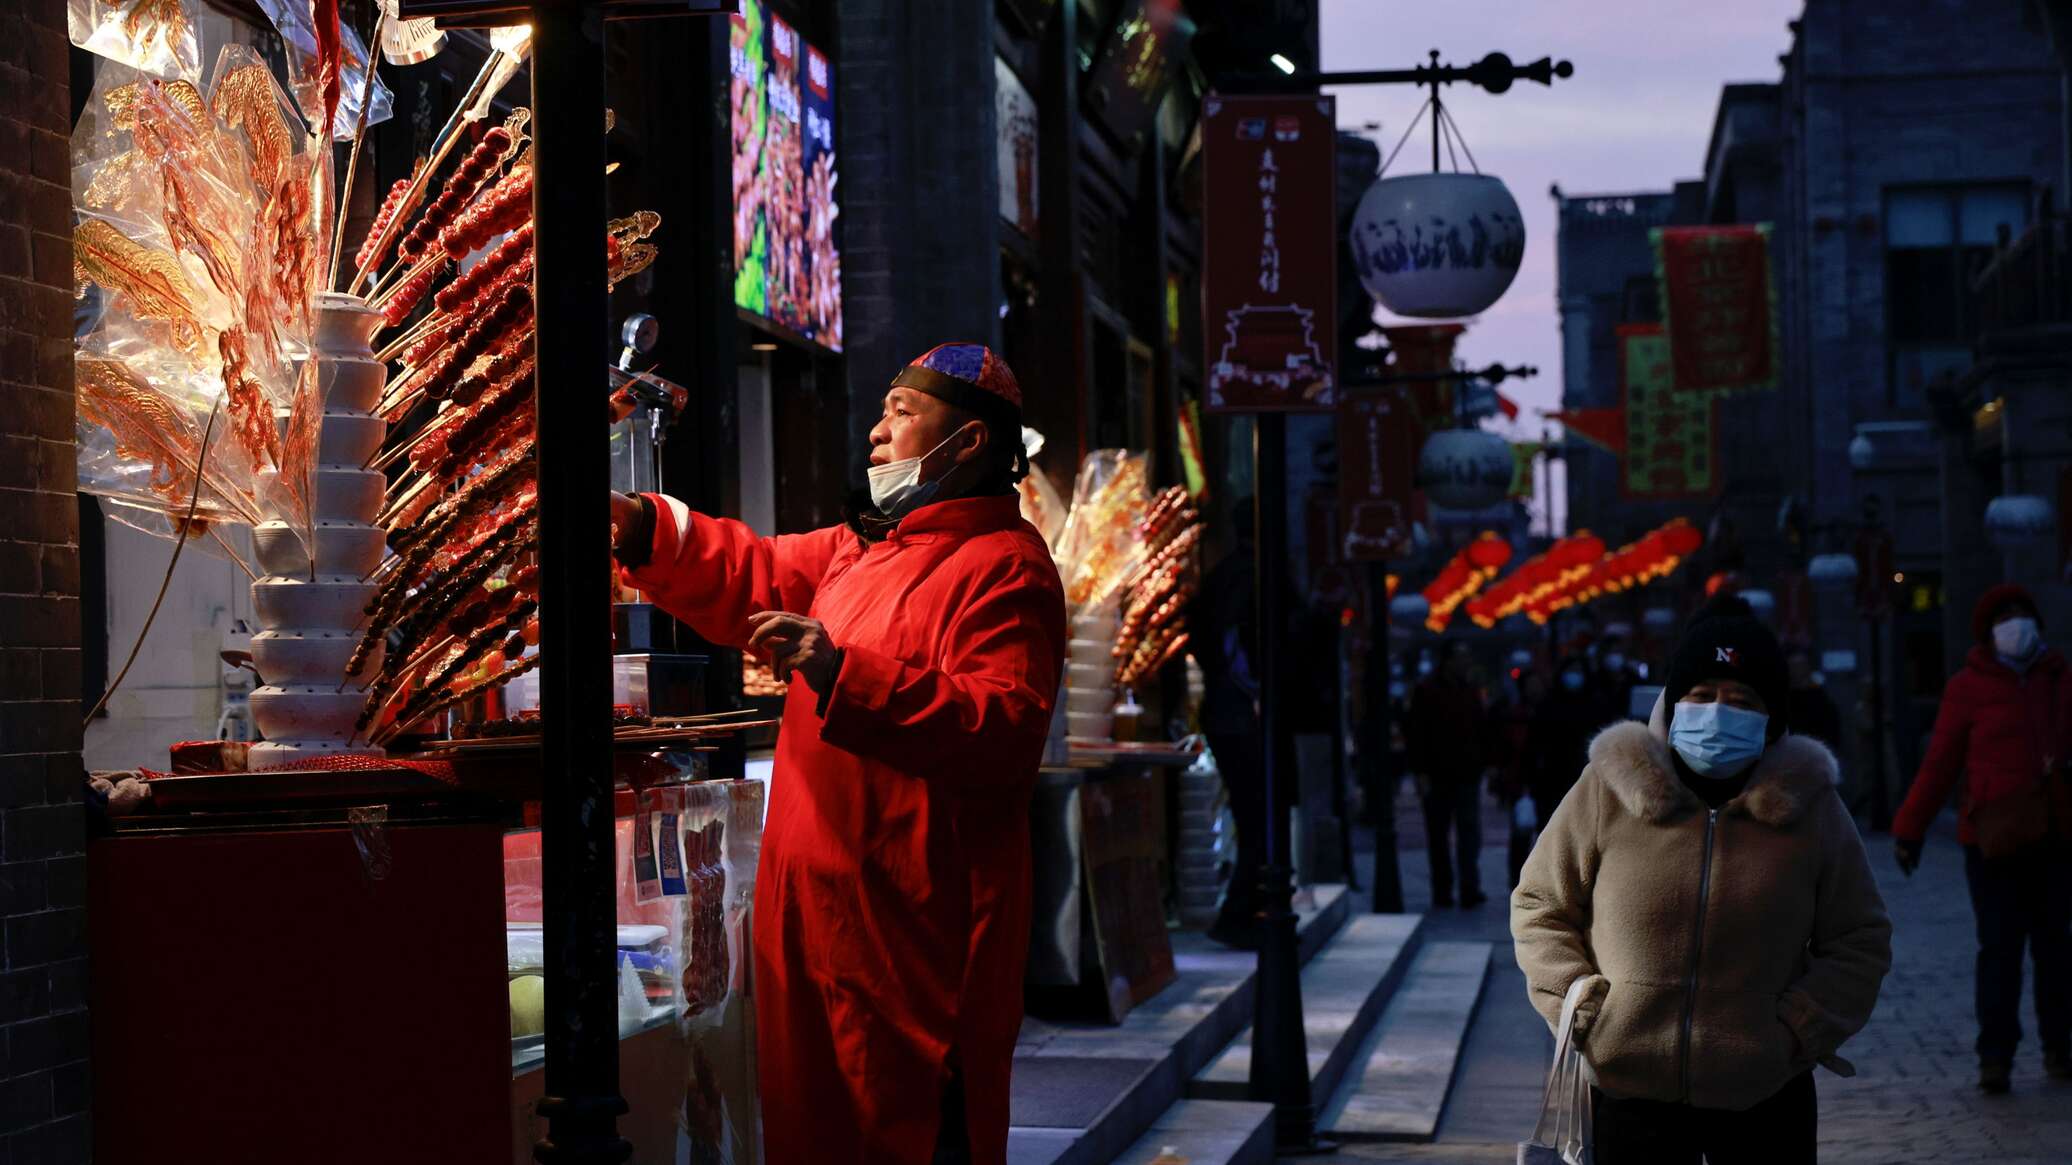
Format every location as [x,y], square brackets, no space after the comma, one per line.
[310,619]
[1090,671]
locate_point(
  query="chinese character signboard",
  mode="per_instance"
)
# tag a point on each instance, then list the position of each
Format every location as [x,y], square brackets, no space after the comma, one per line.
[1717,306]
[1269,225]
[1015,115]
[786,268]
[1671,442]
[1377,472]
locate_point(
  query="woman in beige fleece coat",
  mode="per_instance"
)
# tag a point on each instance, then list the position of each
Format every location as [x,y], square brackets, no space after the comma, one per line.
[1706,879]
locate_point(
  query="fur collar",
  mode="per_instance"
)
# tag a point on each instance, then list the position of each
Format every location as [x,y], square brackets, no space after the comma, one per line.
[1633,761]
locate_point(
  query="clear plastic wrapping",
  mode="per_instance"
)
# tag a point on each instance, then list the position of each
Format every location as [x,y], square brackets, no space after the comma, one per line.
[156,36]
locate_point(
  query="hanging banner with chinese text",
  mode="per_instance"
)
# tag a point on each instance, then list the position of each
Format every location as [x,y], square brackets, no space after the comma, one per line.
[1269,225]
[1524,454]
[1377,473]
[1672,445]
[1718,306]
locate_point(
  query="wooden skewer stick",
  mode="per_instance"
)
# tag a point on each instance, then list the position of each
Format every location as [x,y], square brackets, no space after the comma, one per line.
[440,149]
[232,552]
[394,453]
[401,274]
[403,501]
[352,162]
[416,332]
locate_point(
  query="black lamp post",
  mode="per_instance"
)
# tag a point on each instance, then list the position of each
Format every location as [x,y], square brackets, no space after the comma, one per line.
[577,847]
[1280,1050]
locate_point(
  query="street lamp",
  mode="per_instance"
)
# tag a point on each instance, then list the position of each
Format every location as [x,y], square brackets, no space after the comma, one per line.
[1280,1067]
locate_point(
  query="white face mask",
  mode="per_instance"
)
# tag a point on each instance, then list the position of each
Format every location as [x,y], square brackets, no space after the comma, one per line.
[1718,740]
[1615,662]
[1572,680]
[896,486]
[2016,638]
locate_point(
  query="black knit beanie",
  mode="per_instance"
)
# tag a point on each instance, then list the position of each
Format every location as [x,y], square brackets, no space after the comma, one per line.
[1725,641]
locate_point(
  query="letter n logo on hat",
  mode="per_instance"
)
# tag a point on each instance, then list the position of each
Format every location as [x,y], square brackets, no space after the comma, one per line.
[1725,655]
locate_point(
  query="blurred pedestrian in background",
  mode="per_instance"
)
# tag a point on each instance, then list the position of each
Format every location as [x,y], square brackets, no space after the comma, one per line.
[1707,885]
[1573,713]
[1613,679]
[1517,767]
[2003,730]
[1813,711]
[1452,751]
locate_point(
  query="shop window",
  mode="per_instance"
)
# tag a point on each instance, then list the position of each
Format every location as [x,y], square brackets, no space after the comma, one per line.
[1936,241]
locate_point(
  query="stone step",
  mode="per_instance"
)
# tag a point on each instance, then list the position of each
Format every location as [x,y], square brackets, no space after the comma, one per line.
[1343,991]
[1406,1066]
[1208,1132]
[1086,1093]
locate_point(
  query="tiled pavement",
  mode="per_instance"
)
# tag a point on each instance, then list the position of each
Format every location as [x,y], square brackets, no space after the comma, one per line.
[1913,1099]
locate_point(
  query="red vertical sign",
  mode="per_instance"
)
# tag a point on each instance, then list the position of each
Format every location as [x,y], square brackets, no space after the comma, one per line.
[1377,471]
[1718,307]
[1269,226]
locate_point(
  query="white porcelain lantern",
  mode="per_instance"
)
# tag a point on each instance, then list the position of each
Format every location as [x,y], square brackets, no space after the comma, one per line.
[1832,572]
[1437,246]
[1465,469]
[2014,520]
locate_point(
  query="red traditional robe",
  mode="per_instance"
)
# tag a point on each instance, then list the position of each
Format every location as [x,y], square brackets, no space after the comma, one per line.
[892,902]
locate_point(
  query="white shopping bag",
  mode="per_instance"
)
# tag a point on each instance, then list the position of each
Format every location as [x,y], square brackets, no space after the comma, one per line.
[1562,1136]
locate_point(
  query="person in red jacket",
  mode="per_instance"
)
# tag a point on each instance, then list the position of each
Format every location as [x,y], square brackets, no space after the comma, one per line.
[892,902]
[2002,728]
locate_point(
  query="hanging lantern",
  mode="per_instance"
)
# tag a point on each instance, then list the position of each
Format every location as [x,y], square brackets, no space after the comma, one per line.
[1409,610]
[1437,246]
[1465,469]
[1681,538]
[1832,572]
[1762,602]
[1489,552]
[2016,520]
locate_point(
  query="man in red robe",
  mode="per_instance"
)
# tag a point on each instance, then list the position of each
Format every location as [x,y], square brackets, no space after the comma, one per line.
[892,902]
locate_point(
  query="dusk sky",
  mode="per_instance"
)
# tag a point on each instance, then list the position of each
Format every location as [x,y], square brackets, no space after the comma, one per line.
[1635,117]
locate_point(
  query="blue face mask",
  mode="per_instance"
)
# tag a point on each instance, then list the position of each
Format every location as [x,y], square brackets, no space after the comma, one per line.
[1718,740]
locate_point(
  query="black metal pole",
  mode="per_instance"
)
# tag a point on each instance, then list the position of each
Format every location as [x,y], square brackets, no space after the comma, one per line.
[582,1101]
[1280,1044]
[1381,713]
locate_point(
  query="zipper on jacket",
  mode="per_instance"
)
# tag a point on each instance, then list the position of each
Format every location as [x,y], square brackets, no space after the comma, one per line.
[1697,952]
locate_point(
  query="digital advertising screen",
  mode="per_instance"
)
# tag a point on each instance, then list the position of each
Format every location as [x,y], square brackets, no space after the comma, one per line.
[786,265]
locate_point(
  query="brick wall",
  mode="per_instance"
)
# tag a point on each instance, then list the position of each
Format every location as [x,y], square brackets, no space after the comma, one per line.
[43,1034]
[920,198]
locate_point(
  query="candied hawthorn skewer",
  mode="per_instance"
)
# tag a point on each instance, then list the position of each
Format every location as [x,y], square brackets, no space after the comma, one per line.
[510,672]
[368,255]
[506,206]
[487,271]
[502,621]
[460,189]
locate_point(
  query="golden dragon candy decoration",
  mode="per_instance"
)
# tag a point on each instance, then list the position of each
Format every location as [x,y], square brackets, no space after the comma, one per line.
[123,101]
[147,281]
[244,99]
[165,19]
[251,414]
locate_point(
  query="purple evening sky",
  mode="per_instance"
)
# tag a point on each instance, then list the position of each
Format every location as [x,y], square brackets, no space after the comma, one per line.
[1635,117]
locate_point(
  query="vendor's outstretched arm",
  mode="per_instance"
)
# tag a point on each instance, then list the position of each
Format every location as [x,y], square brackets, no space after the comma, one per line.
[713,573]
[993,691]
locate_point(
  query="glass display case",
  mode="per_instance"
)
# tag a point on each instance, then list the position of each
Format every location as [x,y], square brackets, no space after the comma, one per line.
[686,865]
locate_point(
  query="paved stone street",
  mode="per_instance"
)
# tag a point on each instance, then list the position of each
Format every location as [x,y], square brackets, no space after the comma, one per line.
[1914,1098]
